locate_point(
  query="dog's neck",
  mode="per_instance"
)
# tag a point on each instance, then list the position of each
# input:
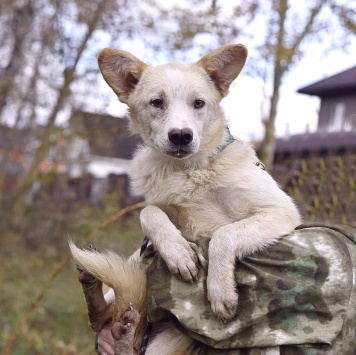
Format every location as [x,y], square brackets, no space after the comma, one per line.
[211,152]
[230,139]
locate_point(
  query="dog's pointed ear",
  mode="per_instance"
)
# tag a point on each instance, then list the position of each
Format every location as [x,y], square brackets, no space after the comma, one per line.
[223,65]
[121,70]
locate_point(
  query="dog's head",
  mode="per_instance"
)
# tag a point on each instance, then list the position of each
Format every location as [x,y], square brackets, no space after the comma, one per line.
[174,107]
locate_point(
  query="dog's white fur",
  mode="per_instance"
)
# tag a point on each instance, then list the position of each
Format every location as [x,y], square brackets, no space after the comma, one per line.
[194,191]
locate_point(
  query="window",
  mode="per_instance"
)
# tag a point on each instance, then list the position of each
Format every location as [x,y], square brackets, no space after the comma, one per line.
[350,123]
[337,118]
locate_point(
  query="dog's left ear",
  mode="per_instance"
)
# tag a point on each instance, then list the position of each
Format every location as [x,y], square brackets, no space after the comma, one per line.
[223,65]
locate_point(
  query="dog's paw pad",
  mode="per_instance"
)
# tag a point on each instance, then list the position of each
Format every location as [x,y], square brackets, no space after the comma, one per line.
[126,322]
[85,278]
[120,331]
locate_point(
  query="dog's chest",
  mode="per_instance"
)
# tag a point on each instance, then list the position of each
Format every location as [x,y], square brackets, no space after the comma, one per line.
[201,217]
[177,188]
[197,202]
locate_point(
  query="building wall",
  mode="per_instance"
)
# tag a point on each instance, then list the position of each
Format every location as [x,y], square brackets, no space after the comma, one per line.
[337,113]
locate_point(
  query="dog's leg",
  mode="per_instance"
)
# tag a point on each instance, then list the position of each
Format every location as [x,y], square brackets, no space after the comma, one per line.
[123,331]
[180,258]
[237,240]
[100,307]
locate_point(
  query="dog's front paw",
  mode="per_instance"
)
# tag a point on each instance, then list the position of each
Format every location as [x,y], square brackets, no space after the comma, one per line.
[223,298]
[181,260]
[86,279]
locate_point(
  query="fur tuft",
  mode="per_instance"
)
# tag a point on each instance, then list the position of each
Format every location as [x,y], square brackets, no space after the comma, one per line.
[127,277]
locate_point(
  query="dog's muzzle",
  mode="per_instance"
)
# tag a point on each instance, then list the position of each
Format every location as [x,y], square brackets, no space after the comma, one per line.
[179,141]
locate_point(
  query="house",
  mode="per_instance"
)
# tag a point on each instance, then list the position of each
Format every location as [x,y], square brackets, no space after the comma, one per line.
[101,147]
[337,101]
[319,169]
[103,142]
[92,156]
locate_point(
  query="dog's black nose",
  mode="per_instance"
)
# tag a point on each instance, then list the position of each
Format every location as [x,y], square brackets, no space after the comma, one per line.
[180,136]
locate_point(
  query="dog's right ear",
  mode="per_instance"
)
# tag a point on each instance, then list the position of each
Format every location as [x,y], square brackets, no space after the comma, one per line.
[121,70]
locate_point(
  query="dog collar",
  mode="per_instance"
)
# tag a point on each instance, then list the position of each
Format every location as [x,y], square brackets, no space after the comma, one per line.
[230,139]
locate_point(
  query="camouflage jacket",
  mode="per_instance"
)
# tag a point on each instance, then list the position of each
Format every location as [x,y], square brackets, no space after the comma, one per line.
[297,297]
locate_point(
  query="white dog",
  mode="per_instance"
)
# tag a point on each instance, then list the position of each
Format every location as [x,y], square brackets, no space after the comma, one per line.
[197,181]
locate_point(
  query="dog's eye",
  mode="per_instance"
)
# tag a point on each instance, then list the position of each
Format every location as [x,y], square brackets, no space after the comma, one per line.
[157,103]
[199,103]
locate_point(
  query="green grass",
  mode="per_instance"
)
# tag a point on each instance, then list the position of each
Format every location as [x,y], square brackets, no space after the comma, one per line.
[59,324]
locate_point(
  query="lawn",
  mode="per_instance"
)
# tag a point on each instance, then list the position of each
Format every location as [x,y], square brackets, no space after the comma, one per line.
[59,323]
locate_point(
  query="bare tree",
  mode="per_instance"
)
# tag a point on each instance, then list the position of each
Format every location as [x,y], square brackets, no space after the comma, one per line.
[283,46]
[62,95]
[48,52]
[287,32]
[278,33]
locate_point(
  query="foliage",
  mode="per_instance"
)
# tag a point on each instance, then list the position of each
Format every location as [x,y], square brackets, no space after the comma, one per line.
[55,325]
[324,187]
[48,69]
[51,330]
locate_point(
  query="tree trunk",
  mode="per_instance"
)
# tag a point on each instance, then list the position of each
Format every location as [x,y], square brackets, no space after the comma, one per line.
[63,94]
[268,144]
[269,141]
[21,24]
[284,56]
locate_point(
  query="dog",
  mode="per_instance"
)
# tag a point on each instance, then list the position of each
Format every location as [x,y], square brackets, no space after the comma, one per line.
[198,182]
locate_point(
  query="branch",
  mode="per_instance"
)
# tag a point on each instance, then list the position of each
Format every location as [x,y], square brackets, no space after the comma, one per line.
[307,29]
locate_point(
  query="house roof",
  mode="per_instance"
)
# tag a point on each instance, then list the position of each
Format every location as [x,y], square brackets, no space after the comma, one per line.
[344,82]
[108,136]
[316,142]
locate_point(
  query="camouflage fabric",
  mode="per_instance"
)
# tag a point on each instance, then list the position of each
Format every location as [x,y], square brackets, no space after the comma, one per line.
[297,297]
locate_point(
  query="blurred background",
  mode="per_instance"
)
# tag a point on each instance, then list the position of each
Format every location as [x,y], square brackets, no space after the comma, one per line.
[65,148]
